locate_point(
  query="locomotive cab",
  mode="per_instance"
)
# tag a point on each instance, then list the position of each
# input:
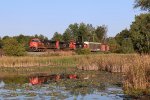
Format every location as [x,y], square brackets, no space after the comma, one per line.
[35,44]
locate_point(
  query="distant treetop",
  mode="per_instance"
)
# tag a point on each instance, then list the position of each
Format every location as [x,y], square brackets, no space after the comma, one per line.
[143,4]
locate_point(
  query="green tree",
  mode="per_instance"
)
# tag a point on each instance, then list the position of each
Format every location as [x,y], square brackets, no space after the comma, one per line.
[143,4]
[127,46]
[74,29]
[57,36]
[67,35]
[71,33]
[124,34]
[11,47]
[5,37]
[140,33]
[91,33]
[114,46]
[84,32]
[101,33]
[42,37]
[24,40]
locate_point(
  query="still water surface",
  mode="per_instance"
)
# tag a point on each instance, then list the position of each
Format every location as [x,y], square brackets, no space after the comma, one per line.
[93,88]
[46,92]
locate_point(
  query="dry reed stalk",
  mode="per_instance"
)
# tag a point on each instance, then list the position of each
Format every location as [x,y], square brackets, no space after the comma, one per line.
[136,78]
[88,63]
[111,63]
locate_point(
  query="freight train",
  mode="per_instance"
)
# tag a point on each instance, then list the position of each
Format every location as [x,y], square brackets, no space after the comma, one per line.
[36,44]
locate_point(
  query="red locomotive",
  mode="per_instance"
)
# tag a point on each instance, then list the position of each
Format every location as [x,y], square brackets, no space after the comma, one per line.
[36,44]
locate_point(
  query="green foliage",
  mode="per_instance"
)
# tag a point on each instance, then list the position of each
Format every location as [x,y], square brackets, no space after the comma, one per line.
[24,40]
[57,36]
[124,34]
[11,47]
[101,33]
[91,33]
[41,37]
[5,37]
[83,51]
[87,31]
[143,4]
[127,46]
[83,31]
[71,33]
[114,46]
[67,35]
[124,41]
[140,33]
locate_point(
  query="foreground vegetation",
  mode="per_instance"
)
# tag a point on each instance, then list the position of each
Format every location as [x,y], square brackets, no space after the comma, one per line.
[135,68]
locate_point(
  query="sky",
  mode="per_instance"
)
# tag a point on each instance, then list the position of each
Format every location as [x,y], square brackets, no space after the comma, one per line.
[30,17]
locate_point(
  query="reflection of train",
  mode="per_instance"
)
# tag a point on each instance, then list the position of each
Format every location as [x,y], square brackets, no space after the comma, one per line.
[40,79]
[36,44]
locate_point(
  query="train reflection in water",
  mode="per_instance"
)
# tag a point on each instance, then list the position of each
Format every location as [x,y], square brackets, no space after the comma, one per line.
[41,79]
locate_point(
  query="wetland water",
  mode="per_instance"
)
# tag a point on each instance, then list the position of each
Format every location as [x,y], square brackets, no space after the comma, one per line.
[85,86]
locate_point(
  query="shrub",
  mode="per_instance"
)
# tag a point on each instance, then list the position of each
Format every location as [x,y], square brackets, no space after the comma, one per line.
[12,48]
[83,51]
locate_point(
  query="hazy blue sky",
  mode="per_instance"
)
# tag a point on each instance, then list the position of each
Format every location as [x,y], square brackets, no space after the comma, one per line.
[48,16]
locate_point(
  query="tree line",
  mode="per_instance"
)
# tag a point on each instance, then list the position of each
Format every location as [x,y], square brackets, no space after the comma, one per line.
[86,31]
[137,38]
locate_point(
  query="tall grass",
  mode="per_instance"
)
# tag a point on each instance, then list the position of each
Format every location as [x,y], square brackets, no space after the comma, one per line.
[135,69]
[111,62]
[137,79]
[35,61]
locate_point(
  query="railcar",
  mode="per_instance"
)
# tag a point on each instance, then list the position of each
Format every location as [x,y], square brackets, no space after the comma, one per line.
[93,46]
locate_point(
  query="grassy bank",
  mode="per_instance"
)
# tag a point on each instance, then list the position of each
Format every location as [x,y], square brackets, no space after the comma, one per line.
[36,61]
[135,68]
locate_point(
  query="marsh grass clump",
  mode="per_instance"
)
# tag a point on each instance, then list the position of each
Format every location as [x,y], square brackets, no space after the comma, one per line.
[136,79]
[88,63]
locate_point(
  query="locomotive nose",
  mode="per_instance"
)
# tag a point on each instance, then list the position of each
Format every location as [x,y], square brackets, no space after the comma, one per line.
[33,44]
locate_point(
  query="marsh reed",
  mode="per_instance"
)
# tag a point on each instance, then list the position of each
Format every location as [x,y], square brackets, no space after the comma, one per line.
[134,68]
